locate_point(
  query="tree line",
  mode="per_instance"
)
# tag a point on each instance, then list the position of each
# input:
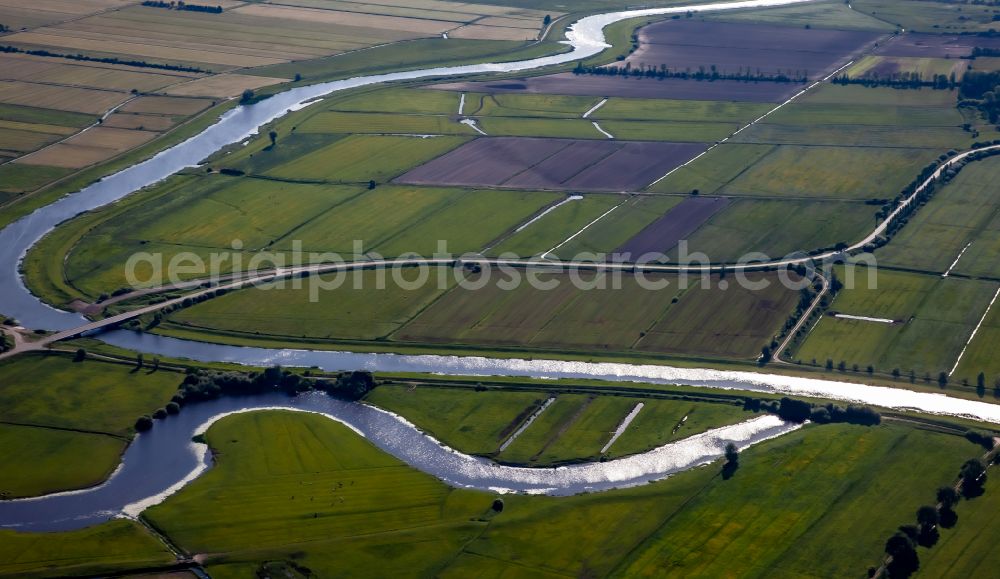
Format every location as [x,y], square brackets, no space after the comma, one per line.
[900,80]
[901,548]
[711,73]
[200,385]
[105,60]
[183,6]
[799,411]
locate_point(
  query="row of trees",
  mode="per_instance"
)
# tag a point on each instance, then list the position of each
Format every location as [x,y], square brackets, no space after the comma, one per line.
[105,60]
[900,80]
[902,546]
[183,6]
[702,73]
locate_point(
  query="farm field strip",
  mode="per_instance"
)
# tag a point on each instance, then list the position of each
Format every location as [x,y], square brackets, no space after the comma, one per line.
[974,332]
[729,48]
[582,230]
[531,419]
[753,122]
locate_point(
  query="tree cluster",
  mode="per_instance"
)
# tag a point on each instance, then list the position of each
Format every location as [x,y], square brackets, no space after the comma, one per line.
[799,411]
[985,52]
[201,384]
[981,90]
[179,5]
[711,73]
[207,385]
[105,60]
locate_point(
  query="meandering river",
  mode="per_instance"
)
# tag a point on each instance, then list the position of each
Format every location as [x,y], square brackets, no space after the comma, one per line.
[163,460]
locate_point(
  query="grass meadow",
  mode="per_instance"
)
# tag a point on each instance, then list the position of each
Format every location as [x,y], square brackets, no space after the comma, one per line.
[934,318]
[336,504]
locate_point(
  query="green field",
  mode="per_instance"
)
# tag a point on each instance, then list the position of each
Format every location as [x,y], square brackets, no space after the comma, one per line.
[925,67]
[357,310]
[198,215]
[678,110]
[528,105]
[208,214]
[64,425]
[812,112]
[92,396]
[757,225]
[714,170]
[816,14]
[15,178]
[40,460]
[967,550]
[933,17]
[556,226]
[676,131]
[981,355]
[700,321]
[336,505]
[394,220]
[964,211]
[384,124]
[935,318]
[860,137]
[830,172]
[398,101]
[536,127]
[116,546]
[538,311]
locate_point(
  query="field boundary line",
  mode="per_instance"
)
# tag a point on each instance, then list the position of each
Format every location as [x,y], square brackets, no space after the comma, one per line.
[585,227]
[975,331]
[623,426]
[957,259]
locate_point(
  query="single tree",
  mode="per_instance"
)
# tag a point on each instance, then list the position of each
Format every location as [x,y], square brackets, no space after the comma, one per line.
[247,97]
[732,461]
[902,549]
[928,516]
[973,476]
[547,20]
[143,424]
[80,355]
[948,497]
[372,184]
[273,135]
